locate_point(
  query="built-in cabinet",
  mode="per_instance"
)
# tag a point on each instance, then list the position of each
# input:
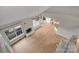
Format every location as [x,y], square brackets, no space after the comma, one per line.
[10,33]
[14,33]
[18,30]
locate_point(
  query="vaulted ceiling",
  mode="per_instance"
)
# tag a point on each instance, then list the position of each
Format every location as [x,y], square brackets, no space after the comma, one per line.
[68,17]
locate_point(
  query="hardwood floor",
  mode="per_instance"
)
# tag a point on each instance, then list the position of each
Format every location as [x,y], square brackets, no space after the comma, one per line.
[77,45]
[44,40]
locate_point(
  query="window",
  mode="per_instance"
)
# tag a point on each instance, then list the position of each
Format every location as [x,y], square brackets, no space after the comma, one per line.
[13,32]
[10,33]
[18,30]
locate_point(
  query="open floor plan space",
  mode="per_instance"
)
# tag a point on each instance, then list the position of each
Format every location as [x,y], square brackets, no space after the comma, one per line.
[39,29]
[43,40]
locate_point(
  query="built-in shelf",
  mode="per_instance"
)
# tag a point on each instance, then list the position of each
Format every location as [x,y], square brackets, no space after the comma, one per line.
[14,40]
[14,34]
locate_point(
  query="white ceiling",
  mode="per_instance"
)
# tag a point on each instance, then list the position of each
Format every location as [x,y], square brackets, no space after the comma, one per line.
[68,17]
[10,14]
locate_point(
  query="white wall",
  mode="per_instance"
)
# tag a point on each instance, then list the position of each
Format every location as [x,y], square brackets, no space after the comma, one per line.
[27,23]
